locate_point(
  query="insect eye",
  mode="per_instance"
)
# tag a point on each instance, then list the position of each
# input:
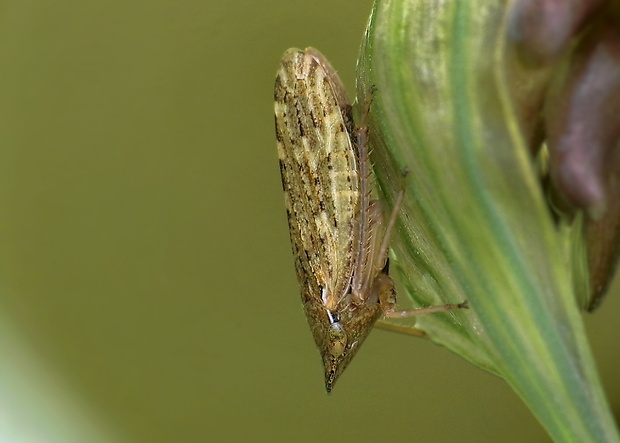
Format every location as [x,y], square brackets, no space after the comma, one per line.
[336,339]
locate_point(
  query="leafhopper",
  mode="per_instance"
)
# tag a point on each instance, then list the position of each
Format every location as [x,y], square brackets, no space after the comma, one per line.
[340,237]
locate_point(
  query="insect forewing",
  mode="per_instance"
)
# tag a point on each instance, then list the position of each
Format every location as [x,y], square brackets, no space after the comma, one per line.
[320,174]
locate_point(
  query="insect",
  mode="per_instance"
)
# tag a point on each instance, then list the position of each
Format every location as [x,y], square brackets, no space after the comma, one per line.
[338,234]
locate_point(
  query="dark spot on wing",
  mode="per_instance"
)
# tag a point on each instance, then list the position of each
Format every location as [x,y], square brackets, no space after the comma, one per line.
[302,132]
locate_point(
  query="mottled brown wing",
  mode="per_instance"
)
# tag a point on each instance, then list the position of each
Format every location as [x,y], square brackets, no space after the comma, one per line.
[320,172]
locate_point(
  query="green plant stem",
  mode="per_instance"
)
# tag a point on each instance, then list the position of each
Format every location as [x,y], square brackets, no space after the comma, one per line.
[475,222]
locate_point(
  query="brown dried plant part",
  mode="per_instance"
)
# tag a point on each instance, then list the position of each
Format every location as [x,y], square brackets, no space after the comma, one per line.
[542,29]
[569,97]
[339,237]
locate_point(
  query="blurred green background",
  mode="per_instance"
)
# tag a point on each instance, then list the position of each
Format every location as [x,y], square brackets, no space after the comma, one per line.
[147,290]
